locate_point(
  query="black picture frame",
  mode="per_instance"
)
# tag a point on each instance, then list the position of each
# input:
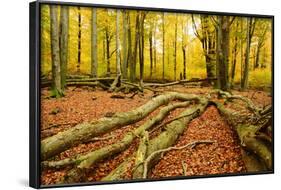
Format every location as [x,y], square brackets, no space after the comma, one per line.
[34,89]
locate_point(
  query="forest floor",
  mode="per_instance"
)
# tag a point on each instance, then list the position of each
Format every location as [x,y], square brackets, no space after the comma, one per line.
[85,104]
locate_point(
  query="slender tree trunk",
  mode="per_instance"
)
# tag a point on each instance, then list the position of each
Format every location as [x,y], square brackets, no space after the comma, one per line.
[79,40]
[241,50]
[134,59]
[94,46]
[250,31]
[118,64]
[141,47]
[234,54]
[223,51]
[257,58]
[207,36]
[184,48]
[107,37]
[104,50]
[125,48]
[130,54]
[163,46]
[64,19]
[261,40]
[55,49]
[175,48]
[154,47]
[150,52]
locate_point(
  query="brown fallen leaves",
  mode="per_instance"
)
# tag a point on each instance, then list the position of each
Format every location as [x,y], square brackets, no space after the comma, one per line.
[217,158]
[78,105]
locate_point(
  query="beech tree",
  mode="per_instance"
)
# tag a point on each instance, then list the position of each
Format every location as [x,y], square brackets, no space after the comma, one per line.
[94,44]
[55,48]
[250,31]
[64,28]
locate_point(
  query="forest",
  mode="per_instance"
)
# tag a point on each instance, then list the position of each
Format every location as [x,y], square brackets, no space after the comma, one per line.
[137,94]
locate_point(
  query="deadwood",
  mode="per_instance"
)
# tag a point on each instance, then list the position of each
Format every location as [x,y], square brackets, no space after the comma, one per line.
[52,146]
[86,161]
[252,139]
[164,140]
[178,82]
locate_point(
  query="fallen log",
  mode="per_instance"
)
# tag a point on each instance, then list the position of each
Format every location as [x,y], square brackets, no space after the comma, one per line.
[116,83]
[164,140]
[249,137]
[99,154]
[86,161]
[177,82]
[118,173]
[83,82]
[56,144]
[170,135]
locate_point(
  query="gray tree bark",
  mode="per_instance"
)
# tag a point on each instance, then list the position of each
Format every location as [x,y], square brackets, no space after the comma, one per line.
[82,132]
[94,44]
[125,44]
[55,49]
[250,32]
[64,19]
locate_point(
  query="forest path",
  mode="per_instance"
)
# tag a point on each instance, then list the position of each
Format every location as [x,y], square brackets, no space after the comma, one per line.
[84,104]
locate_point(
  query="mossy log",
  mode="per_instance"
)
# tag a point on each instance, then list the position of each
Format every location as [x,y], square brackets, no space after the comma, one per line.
[164,140]
[87,160]
[249,136]
[168,138]
[83,82]
[155,85]
[99,154]
[56,144]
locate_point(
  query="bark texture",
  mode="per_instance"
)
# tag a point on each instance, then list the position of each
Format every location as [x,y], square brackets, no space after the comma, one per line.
[82,132]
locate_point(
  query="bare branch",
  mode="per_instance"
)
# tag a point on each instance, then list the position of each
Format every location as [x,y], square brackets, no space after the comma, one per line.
[152,155]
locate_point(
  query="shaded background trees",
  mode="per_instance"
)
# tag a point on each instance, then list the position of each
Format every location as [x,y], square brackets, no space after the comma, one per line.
[154,46]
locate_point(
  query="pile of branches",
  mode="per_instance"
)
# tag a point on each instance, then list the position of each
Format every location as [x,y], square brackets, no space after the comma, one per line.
[252,129]
[117,84]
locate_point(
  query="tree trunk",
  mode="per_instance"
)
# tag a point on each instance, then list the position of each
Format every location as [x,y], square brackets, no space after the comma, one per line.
[175,48]
[107,37]
[82,132]
[223,51]
[130,54]
[184,33]
[124,44]
[163,46]
[208,41]
[150,52]
[135,50]
[79,40]
[94,44]
[64,19]
[141,47]
[250,31]
[241,50]
[56,67]
[234,54]
[154,47]
[261,40]
[118,54]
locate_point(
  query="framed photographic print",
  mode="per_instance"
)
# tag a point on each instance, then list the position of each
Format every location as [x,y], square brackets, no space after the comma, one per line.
[127,94]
